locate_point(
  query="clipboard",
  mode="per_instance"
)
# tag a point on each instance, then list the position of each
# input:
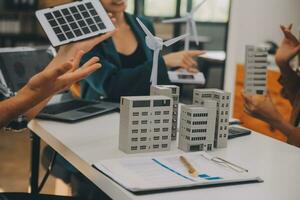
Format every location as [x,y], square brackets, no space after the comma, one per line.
[142,175]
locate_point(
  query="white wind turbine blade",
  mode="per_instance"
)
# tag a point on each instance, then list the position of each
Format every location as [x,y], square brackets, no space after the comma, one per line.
[147,32]
[154,72]
[174,40]
[195,31]
[176,20]
[197,7]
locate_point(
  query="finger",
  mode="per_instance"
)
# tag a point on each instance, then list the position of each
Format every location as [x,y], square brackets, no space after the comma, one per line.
[77,59]
[56,72]
[101,38]
[82,73]
[187,64]
[90,62]
[294,52]
[248,100]
[193,70]
[194,53]
[193,62]
[112,18]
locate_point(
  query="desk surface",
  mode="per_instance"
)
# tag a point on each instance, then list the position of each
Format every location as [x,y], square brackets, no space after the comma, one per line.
[90,141]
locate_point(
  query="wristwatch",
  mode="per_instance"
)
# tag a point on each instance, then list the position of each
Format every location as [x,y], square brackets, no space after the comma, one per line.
[18,124]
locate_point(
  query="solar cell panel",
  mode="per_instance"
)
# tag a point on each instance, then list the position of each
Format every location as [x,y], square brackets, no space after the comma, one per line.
[74,21]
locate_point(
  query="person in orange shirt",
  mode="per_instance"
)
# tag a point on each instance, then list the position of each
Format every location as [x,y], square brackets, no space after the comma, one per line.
[263,108]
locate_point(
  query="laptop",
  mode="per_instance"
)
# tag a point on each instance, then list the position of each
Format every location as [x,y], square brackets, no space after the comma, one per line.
[18,65]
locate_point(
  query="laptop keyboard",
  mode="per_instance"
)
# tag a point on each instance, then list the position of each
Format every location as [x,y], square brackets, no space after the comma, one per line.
[66,106]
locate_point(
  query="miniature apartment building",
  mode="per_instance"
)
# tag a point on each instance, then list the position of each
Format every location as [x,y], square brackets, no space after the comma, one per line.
[197,127]
[222,99]
[145,124]
[256,70]
[173,92]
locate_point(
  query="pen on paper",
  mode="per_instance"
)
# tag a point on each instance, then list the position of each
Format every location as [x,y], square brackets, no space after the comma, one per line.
[192,171]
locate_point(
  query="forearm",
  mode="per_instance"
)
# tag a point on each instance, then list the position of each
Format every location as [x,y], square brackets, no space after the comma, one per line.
[292,133]
[32,113]
[290,82]
[13,107]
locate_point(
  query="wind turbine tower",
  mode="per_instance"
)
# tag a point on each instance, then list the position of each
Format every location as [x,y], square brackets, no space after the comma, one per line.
[156,44]
[191,27]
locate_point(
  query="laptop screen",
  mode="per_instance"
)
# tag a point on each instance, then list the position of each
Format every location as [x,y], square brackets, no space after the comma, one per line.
[18,65]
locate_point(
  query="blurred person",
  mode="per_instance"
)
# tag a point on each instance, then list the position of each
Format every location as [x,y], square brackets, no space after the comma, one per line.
[127,61]
[263,108]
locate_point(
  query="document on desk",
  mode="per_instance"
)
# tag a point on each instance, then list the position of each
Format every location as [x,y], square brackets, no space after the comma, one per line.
[146,174]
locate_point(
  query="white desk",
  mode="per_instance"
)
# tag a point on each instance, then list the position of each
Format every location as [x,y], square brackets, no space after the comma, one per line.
[87,142]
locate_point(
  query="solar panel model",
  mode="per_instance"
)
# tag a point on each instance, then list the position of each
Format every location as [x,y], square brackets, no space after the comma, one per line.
[74,21]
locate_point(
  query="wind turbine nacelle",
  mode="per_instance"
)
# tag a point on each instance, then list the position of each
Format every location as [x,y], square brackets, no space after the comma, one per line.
[154,44]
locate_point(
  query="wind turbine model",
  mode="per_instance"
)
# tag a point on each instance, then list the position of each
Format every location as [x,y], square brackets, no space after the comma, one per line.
[190,25]
[156,44]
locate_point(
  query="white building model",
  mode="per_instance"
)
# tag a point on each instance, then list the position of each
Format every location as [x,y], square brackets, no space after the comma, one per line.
[145,124]
[256,70]
[223,106]
[197,127]
[173,92]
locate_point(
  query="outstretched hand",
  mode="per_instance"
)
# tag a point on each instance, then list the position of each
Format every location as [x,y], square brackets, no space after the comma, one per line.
[183,59]
[289,47]
[261,107]
[56,78]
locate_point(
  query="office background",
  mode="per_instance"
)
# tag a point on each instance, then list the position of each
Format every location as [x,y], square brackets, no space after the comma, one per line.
[229,26]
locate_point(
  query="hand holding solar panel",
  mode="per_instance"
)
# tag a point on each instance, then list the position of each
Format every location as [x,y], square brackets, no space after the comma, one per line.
[74,21]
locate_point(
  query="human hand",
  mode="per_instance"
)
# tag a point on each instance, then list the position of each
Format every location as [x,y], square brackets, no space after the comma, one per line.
[261,107]
[56,78]
[183,59]
[289,47]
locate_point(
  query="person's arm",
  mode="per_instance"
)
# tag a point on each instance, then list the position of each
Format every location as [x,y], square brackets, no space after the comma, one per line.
[263,108]
[288,49]
[183,59]
[67,53]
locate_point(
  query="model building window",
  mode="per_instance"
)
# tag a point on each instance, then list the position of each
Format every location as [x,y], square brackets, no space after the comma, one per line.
[156,138]
[134,139]
[135,122]
[135,114]
[143,139]
[156,130]
[166,121]
[165,137]
[144,131]
[144,113]
[133,148]
[135,131]
[165,129]
[157,113]
[144,122]
[164,146]
[143,147]
[165,8]
[157,121]
[166,112]
[156,146]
